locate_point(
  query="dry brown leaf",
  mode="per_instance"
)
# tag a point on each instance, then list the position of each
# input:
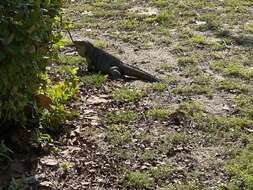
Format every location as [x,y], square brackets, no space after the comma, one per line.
[49,161]
[96,100]
[43,100]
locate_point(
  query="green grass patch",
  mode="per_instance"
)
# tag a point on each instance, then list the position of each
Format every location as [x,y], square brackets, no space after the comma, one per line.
[175,138]
[229,123]
[164,31]
[122,116]
[71,60]
[198,39]
[192,71]
[218,46]
[119,135]
[138,180]
[160,3]
[124,36]
[244,105]
[124,153]
[203,80]
[167,67]
[125,94]
[163,18]
[96,80]
[240,170]
[187,60]
[146,137]
[238,70]
[193,89]
[148,155]
[248,27]
[190,109]
[191,185]
[234,86]
[105,14]
[172,79]
[161,172]
[128,24]
[158,113]
[100,44]
[218,65]
[170,140]
[157,86]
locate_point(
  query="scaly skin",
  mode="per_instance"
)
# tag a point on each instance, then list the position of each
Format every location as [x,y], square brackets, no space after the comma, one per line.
[99,60]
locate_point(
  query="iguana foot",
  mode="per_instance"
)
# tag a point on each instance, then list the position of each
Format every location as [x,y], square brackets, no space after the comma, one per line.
[114,73]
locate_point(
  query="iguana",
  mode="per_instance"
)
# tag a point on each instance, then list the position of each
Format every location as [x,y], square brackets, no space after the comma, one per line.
[99,60]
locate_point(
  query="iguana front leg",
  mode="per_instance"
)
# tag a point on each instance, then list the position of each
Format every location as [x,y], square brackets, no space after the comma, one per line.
[114,72]
[91,67]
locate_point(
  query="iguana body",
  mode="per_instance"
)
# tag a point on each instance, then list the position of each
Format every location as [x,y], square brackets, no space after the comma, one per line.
[99,60]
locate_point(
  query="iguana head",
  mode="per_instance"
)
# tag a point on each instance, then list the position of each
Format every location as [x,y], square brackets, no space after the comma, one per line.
[84,48]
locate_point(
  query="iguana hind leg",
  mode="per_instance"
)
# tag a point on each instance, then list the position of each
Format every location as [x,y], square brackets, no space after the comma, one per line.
[114,72]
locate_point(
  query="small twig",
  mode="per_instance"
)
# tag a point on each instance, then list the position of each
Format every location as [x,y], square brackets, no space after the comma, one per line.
[68,31]
[70,35]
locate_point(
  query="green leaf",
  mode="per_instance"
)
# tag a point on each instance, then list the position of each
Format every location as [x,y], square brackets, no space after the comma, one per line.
[47,2]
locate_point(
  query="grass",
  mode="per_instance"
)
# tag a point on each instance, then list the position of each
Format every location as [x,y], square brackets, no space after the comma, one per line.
[65,166]
[198,39]
[234,86]
[187,60]
[161,172]
[172,79]
[191,185]
[125,94]
[128,24]
[213,68]
[157,86]
[158,113]
[165,17]
[192,71]
[148,155]
[119,135]
[96,80]
[191,107]
[235,69]
[167,67]
[240,170]
[137,180]
[159,3]
[169,142]
[193,89]
[232,122]
[218,65]
[244,105]
[122,116]
[100,44]
[248,28]
[175,138]
[71,60]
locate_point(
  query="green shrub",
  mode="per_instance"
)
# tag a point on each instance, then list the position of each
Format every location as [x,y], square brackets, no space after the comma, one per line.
[4,152]
[26,38]
[59,94]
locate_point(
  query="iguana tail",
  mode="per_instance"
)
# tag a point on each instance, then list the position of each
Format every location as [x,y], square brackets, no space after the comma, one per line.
[138,73]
